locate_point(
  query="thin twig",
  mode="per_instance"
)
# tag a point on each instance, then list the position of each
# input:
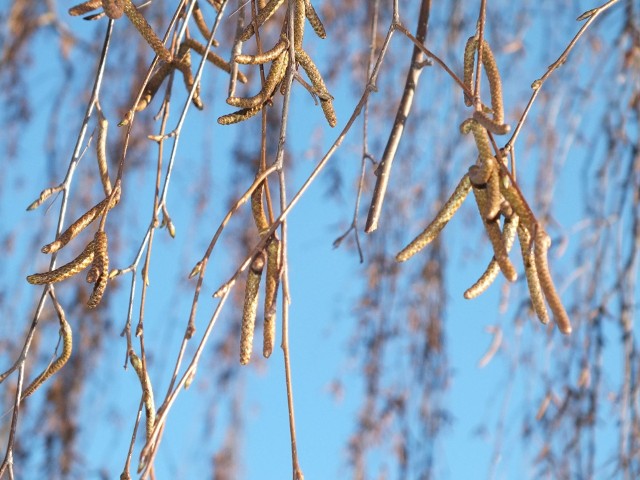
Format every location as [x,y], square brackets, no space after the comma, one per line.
[383,170]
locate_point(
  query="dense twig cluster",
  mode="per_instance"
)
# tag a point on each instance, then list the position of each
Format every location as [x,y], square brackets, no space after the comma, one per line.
[279,56]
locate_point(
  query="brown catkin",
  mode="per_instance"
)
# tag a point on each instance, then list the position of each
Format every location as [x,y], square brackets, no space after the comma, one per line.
[513,195]
[326,101]
[141,24]
[493,269]
[495,236]
[299,20]
[495,125]
[85,220]
[270,297]
[184,66]
[58,363]
[264,57]
[101,150]
[67,270]
[263,15]
[239,116]
[468,64]
[490,124]
[44,195]
[113,8]
[275,76]
[495,84]
[250,309]
[147,391]
[494,197]
[435,227]
[314,20]
[198,18]
[533,282]
[85,7]
[153,85]
[257,209]
[479,135]
[101,270]
[542,243]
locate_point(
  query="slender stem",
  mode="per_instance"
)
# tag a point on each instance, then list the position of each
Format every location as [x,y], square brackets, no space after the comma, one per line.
[537,85]
[404,109]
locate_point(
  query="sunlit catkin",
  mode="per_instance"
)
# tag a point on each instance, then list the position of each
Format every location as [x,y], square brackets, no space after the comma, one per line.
[495,125]
[67,345]
[533,282]
[153,85]
[141,24]
[314,20]
[275,76]
[85,7]
[542,243]
[263,15]
[239,116]
[468,64]
[113,8]
[493,269]
[270,297]
[101,150]
[490,124]
[79,225]
[264,57]
[147,391]
[67,270]
[99,269]
[251,295]
[257,209]
[201,23]
[44,195]
[495,236]
[299,19]
[184,66]
[479,135]
[435,227]
[326,101]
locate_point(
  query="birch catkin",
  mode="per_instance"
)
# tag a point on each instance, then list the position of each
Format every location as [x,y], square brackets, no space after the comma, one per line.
[101,149]
[275,76]
[113,8]
[314,20]
[85,220]
[239,116]
[533,282]
[542,244]
[147,391]
[58,363]
[67,270]
[251,296]
[493,269]
[99,269]
[264,57]
[270,297]
[495,236]
[141,24]
[263,15]
[435,227]
[326,101]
